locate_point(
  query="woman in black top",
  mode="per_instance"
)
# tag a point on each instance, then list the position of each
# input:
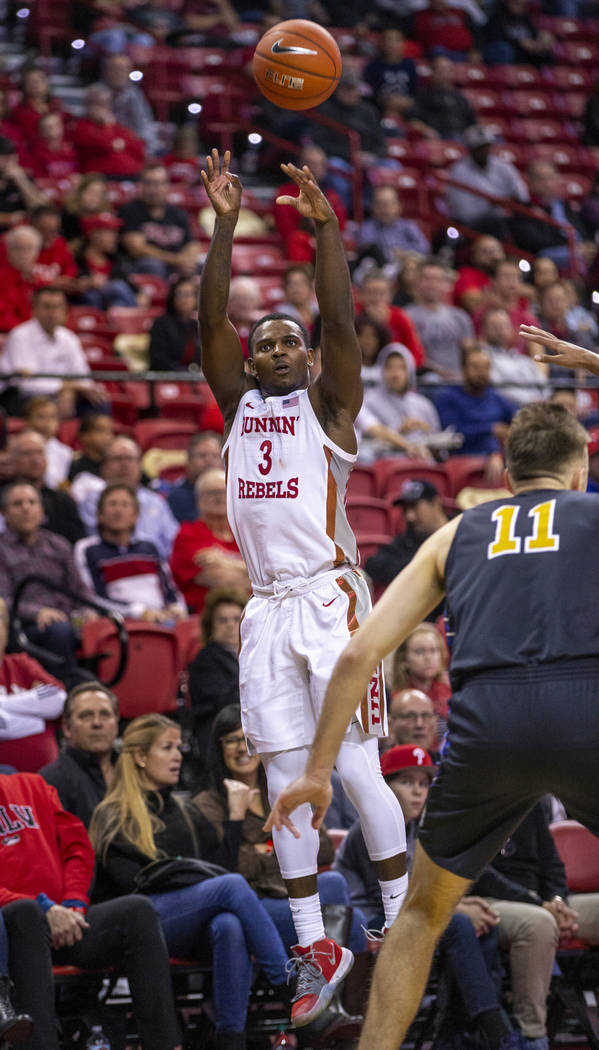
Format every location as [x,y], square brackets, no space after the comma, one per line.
[141,820]
[174,343]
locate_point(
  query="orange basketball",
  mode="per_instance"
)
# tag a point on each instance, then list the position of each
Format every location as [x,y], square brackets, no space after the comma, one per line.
[297,64]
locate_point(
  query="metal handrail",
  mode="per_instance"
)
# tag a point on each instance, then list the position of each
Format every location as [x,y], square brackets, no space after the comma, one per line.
[17,632]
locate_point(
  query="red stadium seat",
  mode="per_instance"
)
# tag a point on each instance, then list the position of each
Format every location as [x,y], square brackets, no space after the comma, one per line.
[189,640]
[179,401]
[579,850]
[255,259]
[571,103]
[132,319]
[391,474]
[151,677]
[531,103]
[87,319]
[30,753]
[367,514]
[369,543]
[515,76]
[574,53]
[163,433]
[362,482]
[465,471]
[541,130]
[156,288]
[486,101]
[566,78]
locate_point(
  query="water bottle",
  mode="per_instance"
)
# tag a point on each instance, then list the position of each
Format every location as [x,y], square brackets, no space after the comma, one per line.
[97,1039]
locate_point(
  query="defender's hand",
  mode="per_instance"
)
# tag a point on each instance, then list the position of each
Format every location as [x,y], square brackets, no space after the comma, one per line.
[224,189]
[309,788]
[568,355]
[311,203]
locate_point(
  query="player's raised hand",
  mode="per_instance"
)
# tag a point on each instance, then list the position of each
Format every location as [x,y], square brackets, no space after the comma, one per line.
[311,203]
[568,355]
[223,188]
[308,788]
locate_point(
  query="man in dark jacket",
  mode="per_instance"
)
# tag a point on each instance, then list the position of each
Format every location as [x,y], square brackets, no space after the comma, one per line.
[214,674]
[537,236]
[83,771]
[526,886]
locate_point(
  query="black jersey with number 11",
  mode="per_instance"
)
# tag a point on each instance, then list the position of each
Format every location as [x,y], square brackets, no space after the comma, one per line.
[522,583]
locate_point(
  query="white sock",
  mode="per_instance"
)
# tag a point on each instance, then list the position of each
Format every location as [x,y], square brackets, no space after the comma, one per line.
[307,919]
[393,892]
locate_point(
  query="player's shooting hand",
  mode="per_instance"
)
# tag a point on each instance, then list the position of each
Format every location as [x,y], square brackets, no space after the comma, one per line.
[66,926]
[568,355]
[224,189]
[311,203]
[309,788]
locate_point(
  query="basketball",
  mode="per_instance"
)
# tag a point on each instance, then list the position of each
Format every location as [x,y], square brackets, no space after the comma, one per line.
[297,64]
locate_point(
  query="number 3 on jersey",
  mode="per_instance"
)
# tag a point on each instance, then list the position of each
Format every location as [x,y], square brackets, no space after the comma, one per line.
[266,465]
[543,537]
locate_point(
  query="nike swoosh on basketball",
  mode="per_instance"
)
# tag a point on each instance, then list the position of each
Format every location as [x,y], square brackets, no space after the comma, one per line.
[279,48]
[326,604]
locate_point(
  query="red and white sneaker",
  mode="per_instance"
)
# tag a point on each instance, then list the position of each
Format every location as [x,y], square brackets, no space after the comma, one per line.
[320,969]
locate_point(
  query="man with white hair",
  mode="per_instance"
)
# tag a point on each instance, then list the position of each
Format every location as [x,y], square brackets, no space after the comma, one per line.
[44,344]
[23,246]
[244,306]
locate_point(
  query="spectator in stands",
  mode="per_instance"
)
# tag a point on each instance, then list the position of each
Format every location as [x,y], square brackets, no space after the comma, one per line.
[423,514]
[412,719]
[28,694]
[507,291]
[157,235]
[468,290]
[469,945]
[183,161]
[478,412]
[28,453]
[293,229]
[129,103]
[442,328]
[347,107]
[17,279]
[84,770]
[7,128]
[244,306]
[203,453]
[512,36]
[88,197]
[228,760]
[174,338]
[299,301]
[102,280]
[17,192]
[394,418]
[52,155]
[390,73]
[94,435]
[372,337]
[517,375]
[526,885]
[375,300]
[205,554]
[444,30]
[214,672]
[421,663]
[141,819]
[534,235]
[28,549]
[556,316]
[45,895]
[482,170]
[544,272]
[36,101]
[55,264]
[41,415]
[128,574]
[103,145]
[122,463]
[407,274]
[43,344]
[440,111]
[387,231]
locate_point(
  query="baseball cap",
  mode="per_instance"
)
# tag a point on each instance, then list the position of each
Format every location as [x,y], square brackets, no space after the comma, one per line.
[593,441]
[103,220]
[416,489]
[407,756]
[478,135]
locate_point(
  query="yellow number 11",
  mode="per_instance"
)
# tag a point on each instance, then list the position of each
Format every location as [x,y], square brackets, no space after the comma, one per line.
[543,536]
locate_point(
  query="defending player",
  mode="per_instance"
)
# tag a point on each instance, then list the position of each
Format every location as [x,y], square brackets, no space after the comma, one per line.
[289,450]
[521,578]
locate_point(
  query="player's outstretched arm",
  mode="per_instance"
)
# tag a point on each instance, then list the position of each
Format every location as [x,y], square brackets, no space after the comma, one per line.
[405,603]
[222,356]
[341,358]
[568,355]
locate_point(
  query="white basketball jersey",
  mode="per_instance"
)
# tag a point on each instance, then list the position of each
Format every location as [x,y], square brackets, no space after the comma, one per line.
[286,483]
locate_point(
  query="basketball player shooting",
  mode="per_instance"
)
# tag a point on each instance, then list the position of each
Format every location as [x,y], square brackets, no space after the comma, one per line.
[289,449]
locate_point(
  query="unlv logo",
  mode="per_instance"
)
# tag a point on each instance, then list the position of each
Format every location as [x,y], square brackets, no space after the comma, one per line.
[419,755]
